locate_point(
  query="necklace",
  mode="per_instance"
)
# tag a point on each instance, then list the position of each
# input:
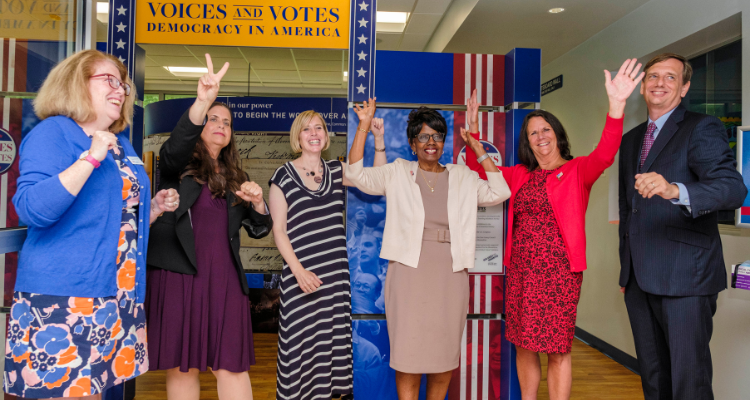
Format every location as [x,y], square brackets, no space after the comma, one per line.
[318,178]
[432,188]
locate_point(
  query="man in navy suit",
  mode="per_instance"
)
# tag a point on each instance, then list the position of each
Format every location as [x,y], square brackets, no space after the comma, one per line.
[676,172]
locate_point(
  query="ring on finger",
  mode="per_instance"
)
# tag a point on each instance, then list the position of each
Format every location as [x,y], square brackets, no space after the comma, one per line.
[653,184]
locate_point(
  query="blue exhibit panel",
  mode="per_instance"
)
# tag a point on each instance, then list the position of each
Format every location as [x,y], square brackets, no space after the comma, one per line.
[744,161]
[513,123]
[523,76]
[374,379]
[409,77]
[365,214]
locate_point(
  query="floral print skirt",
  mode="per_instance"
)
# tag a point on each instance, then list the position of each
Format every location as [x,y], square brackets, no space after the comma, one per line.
[59,346]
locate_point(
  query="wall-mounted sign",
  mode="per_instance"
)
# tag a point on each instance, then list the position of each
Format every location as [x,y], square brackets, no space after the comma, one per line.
[552,85]
[7,151]
[37,20]
[320,24]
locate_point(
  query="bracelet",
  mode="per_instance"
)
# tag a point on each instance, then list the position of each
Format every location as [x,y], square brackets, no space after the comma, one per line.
[380,150]
[362,130]
[482,158]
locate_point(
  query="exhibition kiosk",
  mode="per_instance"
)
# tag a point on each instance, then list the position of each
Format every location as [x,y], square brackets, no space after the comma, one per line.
[508,87]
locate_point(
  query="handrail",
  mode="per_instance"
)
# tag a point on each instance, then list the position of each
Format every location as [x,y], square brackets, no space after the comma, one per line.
[12,239]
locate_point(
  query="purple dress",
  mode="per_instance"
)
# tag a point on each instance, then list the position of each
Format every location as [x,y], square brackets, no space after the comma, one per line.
[201,320]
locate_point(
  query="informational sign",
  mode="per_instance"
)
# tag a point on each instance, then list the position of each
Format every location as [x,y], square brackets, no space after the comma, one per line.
[742,219]
[552,85]
[252,114]
[488,256]
[261,23]
[37,20]
[7,151]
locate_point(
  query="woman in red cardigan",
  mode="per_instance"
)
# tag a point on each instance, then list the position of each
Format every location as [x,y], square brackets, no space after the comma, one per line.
[546,249]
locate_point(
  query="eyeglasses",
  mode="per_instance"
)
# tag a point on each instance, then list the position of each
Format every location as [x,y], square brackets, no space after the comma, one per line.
[114,83]
[425,137]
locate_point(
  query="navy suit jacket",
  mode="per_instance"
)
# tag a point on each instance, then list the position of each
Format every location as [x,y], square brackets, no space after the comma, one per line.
[675,251]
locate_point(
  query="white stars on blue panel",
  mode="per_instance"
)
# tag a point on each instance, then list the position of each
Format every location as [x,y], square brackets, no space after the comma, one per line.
[362,50]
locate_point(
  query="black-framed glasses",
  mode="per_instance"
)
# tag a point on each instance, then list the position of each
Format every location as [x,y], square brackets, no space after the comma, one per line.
[114,83]
[425,137]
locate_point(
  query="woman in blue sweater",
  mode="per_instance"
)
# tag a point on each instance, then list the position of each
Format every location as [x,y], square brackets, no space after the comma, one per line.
[77,325]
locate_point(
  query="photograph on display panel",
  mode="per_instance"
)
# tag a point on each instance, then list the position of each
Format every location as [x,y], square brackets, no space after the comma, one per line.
[365,214]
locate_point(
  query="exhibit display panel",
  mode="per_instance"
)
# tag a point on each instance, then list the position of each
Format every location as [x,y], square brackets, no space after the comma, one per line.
[742,219]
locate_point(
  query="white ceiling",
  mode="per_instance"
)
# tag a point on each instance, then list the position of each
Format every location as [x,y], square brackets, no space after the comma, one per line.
[452,26]
[312,71]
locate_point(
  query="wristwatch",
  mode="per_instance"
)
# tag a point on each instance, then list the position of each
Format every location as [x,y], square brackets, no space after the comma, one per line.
[86,157]
[482,158]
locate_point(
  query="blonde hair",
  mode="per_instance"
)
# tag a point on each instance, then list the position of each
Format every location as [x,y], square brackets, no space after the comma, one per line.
[300,123]
[66,90]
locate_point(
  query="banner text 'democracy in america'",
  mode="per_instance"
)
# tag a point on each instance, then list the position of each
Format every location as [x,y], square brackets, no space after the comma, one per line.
[266,23]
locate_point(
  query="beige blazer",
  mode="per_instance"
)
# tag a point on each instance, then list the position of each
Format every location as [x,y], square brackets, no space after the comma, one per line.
[404,215]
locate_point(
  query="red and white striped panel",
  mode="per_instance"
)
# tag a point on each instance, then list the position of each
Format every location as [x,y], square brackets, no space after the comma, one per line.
[476,378]
[478,375]
[486,73]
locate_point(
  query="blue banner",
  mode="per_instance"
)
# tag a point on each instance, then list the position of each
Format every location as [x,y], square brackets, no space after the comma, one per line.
[252,114]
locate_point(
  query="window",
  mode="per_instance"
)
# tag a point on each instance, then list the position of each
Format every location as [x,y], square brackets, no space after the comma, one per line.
[716,89]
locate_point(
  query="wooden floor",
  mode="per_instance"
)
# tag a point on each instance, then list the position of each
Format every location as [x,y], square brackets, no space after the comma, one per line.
[594,376]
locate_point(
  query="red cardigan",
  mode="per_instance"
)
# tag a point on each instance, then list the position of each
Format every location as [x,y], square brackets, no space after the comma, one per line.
[568,191]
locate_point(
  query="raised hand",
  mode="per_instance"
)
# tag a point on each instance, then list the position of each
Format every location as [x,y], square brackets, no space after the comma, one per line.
[208,84]
[622,85]
[252,193]
[377,128]
[472,112]
[367,111]
[472,143]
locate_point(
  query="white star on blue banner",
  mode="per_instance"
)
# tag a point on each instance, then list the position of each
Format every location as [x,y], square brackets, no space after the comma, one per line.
[362,50]
[121,38]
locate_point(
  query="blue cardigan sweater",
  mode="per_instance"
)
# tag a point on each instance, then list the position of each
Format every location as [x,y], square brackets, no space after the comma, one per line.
[71,247]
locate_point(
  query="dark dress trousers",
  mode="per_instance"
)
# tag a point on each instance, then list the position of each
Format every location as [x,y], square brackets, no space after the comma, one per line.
[172,243]
[672,264]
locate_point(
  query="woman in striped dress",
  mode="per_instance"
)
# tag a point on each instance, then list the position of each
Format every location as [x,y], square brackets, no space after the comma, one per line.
[307,205]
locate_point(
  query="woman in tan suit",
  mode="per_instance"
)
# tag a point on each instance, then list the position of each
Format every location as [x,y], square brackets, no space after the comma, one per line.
[429,239]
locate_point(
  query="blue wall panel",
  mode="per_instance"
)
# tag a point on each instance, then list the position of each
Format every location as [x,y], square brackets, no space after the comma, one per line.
[523,76]
[408,77]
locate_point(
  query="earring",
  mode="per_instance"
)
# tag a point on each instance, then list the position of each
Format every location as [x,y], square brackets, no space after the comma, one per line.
[414,153]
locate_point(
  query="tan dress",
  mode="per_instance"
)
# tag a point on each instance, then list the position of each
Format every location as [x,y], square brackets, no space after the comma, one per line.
[426,306]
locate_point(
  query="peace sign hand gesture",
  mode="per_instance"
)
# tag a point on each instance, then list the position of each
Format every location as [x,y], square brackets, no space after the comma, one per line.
[208,84]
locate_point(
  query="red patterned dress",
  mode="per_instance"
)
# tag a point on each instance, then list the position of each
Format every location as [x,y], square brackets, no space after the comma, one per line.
[542,292]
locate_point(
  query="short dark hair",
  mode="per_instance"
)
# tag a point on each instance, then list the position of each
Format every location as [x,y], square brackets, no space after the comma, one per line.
[424,115]
[687,69]
[526,155]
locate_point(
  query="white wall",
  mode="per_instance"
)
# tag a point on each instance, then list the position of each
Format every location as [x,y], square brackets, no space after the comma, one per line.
[582,105]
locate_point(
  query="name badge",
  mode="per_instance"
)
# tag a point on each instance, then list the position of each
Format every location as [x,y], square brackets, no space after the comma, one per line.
[135,160]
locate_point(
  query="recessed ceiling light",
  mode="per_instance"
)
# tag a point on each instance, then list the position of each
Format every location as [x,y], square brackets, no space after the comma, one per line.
[102,8]
[187,72]
[556,10]
[391,21]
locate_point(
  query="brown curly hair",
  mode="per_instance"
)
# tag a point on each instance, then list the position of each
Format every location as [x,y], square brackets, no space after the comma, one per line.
[230,175]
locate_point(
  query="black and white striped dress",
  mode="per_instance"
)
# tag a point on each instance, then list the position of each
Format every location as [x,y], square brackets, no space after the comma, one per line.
[315,337]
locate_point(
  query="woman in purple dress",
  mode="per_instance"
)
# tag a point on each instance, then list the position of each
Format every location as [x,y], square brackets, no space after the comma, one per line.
[197,307]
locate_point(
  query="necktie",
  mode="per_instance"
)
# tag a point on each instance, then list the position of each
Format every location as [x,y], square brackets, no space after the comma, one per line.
[648,141]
